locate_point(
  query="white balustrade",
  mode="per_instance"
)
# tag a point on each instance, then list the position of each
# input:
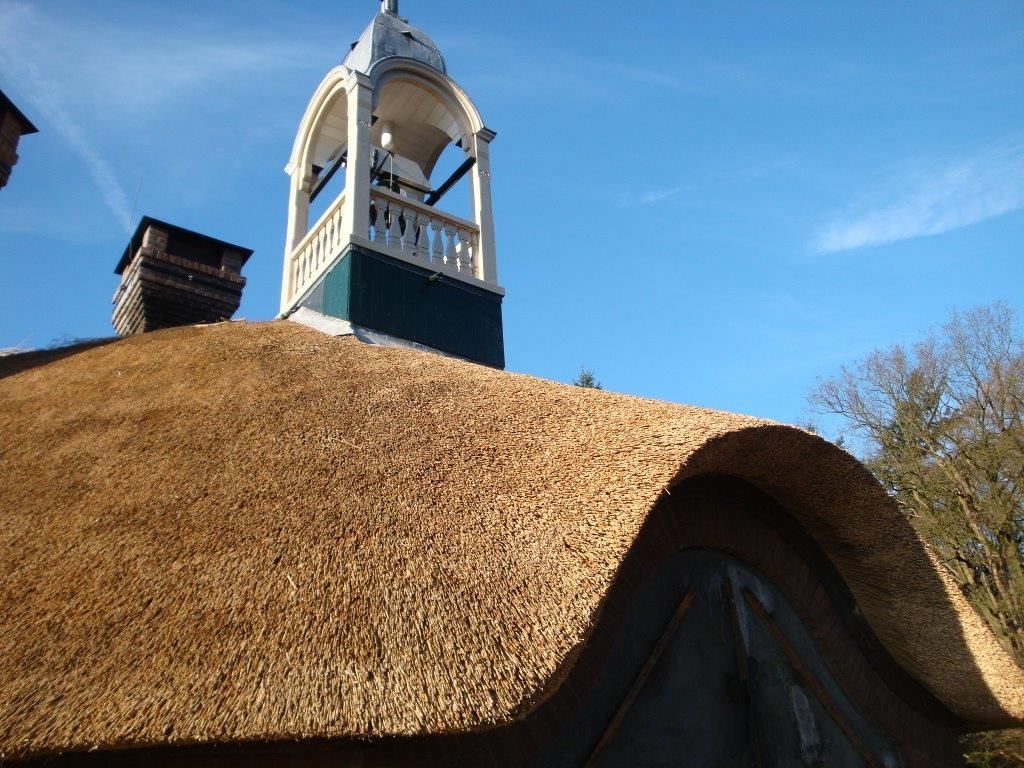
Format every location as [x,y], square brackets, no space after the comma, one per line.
[398,225]
[423,234]
[316,251]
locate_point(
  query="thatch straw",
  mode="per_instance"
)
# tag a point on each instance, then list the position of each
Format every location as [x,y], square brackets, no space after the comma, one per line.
[15,361]
[244,532]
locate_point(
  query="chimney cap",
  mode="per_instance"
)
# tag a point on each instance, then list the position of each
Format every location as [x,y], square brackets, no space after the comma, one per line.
[177,233]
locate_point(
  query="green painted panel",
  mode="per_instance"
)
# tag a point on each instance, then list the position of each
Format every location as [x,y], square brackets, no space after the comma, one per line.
[410,302]
[336,289]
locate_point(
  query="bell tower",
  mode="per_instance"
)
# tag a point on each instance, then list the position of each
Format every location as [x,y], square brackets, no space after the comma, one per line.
[386,255]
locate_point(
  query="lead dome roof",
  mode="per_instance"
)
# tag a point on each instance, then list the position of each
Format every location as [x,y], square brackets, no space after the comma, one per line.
[389,36]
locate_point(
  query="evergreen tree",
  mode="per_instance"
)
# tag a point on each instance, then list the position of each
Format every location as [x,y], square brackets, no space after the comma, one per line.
[587,380]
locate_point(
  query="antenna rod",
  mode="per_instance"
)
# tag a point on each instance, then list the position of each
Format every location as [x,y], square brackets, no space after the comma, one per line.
[135,202]
[128,233]
[389,6]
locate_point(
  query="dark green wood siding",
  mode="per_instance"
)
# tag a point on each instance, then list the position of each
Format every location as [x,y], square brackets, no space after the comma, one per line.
[383,294]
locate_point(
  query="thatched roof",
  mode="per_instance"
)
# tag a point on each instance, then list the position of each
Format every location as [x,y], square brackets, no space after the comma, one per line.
[246,532]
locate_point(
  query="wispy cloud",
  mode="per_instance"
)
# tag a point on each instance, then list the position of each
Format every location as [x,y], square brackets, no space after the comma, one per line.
[951,195]
[14,19]
[92,76]
[47,100]
[655,196]
[646,76]
[544,72]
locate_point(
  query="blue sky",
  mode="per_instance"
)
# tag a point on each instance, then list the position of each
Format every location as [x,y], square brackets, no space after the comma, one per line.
[710,203]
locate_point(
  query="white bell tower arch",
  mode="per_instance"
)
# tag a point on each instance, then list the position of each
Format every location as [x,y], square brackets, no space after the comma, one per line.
[380,121]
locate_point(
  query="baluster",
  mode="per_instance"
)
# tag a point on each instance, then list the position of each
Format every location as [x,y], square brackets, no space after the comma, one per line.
[436,246]
[395,226]
[471,246]
[337,230]
[410,237]
[465,254]
[378,222]
[423,238]
[451,258]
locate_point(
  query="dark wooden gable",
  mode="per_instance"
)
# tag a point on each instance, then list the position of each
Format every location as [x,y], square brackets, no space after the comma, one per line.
[714,666]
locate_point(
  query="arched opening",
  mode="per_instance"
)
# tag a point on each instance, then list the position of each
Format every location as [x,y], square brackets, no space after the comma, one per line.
[458,198]
[422,144]
[326,157]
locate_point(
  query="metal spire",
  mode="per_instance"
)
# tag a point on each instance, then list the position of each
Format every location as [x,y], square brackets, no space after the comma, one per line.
[389,6]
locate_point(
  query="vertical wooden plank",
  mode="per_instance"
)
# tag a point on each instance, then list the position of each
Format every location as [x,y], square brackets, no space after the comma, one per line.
[808,680]
[740,652]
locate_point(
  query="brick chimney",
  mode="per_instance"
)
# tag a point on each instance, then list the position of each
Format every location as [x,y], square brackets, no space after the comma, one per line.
[172,276]
[13,125]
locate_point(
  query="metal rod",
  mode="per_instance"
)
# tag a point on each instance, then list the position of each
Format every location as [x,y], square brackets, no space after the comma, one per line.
[378,167]
[441,191]
[641,679]
[328,176]
[809,680]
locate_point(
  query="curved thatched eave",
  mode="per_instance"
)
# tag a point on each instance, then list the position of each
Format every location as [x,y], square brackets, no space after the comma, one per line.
[905,595]
[256,532]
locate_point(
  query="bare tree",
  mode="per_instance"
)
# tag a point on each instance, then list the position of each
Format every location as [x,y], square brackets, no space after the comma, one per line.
[941,425]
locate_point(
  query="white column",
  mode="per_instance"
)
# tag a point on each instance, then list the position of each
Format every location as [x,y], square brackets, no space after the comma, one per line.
[357,170]
[486,259]
[298,224]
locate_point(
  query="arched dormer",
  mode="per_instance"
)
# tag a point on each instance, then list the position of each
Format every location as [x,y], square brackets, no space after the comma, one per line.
[380,122]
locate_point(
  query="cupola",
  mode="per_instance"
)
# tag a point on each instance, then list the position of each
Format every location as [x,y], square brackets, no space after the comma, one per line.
[387,254]
[388,35]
